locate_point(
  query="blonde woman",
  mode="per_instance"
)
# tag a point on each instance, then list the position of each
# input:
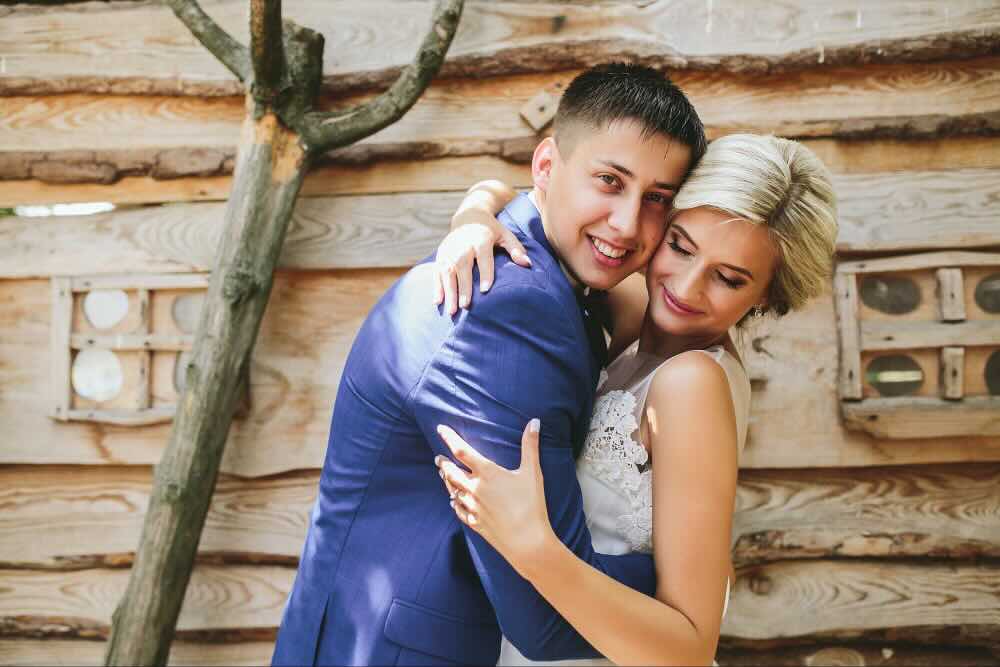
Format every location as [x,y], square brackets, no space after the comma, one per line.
[751,233]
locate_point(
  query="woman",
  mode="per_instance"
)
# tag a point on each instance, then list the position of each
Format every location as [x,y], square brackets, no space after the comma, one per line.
[751,231]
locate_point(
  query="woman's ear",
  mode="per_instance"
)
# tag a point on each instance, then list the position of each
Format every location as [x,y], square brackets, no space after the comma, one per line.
[546,153]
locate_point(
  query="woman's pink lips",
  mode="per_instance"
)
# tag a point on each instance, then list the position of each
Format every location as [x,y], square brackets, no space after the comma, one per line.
[677,306]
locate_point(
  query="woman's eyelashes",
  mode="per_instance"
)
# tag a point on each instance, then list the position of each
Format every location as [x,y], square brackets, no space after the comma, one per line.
[731,283]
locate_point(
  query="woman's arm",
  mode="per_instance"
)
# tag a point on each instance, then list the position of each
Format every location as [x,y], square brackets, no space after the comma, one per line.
[693,440]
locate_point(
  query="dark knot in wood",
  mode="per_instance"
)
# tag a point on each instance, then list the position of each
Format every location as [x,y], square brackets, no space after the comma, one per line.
[239,286]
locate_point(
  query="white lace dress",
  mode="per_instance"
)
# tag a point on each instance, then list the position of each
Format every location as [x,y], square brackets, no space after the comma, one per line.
[615,480]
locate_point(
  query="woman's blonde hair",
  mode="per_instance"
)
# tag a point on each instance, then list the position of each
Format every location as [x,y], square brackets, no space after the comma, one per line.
[781,184]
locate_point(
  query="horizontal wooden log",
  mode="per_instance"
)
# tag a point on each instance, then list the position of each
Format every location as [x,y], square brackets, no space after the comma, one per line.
[778,603]
[364,50]
[65,138]
[976,417]
[80,602]
[398,230]
[920,261]
[93,515]
[31,652]
[307,332]
[924,603]
[912,335]
[69,652]
[857,655]
[874,156]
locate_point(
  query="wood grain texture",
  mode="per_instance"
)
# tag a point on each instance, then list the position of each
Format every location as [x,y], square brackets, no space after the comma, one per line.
[304,340]
[363,50]
[94,515]
[70,652]
[911,335]
[396,230]
[186,136]
[883,654]
[777,603]
[975,417]
[920,602]
[875,156]
[81,601]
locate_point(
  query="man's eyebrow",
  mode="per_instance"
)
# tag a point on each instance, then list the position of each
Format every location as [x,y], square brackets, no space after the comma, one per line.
[659,184]
[737,269]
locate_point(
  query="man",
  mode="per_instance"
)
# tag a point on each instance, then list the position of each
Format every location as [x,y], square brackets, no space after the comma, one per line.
[388,575]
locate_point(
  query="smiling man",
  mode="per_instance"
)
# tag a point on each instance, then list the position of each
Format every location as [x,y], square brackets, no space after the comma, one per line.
[388,575]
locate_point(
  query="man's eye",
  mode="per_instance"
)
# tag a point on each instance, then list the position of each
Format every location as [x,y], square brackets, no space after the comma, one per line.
[608,179]
[658,198]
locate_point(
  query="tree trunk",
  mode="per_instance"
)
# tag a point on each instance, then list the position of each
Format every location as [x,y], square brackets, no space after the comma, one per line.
[269,172]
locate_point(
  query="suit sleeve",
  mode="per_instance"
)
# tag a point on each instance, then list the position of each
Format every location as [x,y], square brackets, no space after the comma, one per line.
[510,358]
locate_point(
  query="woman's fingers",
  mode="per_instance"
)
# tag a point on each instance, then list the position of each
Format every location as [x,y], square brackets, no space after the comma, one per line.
[529,445]
[463,451]
[450,286]
[455,479]
[463,271]
[484,257]
[438,286]
[514,248]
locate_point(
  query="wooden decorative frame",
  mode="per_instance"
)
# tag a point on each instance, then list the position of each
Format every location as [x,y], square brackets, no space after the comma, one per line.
[141,340]
[949,338]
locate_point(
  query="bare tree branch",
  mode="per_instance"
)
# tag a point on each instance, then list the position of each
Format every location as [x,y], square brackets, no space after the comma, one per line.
[219,43]
[267,52]
[324,131]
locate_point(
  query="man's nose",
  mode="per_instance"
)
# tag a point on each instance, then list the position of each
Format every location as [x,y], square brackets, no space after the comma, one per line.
[624,219]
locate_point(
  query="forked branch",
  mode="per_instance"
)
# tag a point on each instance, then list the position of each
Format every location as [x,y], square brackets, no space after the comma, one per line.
[323,131]
[267,52]
[219,43]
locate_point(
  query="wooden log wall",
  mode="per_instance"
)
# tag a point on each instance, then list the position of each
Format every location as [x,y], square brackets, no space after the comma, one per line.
[850,549]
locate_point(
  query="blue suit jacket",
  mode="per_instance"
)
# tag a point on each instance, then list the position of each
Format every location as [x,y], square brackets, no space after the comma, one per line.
[388,575]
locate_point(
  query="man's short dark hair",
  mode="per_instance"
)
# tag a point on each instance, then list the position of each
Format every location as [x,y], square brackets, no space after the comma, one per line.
[618,91]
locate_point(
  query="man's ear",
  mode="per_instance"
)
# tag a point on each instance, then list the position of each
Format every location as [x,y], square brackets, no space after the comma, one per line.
[546,154]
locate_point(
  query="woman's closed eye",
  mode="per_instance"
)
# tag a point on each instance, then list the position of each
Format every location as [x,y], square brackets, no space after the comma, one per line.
[732,283]
[676,247]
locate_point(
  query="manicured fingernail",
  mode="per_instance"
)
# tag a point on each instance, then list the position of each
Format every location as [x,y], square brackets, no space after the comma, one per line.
[465,301]
[440,473]
[485,285]
[452,503]
[534,425]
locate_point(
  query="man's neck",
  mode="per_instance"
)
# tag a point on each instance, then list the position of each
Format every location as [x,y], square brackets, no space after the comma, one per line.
[534,196]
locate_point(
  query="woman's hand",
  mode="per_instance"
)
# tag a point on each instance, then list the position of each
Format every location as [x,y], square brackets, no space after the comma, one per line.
[506,507]
[475,232]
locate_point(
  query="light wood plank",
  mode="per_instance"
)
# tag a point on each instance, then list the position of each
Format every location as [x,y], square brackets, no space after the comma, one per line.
[59,349]
[94,514]
[953,372]
[190,136]
[846,301]
[875,156]
[951,295]
[141,281]
[300,352]
[395,230]
[363,49]
[924,603]
[976,417]
[239,596]
[70,652]
[132,342]
[325,233]
[920,261]
[886,335]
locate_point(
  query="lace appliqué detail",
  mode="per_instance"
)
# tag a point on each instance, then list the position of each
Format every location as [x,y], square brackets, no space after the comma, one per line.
[616,459]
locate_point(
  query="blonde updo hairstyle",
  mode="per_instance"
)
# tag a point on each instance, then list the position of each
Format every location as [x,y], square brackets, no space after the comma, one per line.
[782,185]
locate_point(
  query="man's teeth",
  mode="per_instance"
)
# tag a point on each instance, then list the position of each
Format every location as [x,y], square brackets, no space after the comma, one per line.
[608,250]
